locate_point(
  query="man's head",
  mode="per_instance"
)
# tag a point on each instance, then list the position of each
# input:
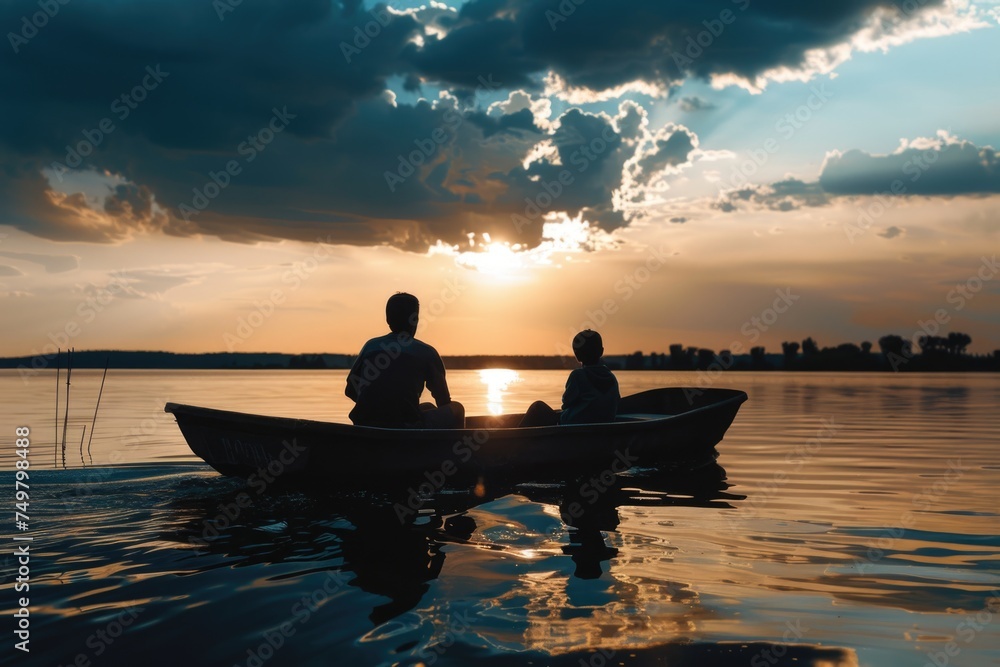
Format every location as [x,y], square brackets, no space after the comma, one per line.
[402,311]
[588,347]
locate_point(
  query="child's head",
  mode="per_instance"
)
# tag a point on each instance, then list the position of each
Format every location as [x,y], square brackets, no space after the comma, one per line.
[588,347]
[402,311]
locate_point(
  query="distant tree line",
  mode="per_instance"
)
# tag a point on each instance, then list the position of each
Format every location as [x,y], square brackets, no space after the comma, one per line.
[937,353]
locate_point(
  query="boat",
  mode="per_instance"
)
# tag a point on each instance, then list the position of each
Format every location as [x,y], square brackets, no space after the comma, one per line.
[653,428]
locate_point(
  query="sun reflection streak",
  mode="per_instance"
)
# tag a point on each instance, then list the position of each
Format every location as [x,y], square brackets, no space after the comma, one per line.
[497,380]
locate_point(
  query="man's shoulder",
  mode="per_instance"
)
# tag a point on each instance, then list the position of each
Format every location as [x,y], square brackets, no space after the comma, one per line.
[389,342]
[373,342]
[423,349]
[399,344]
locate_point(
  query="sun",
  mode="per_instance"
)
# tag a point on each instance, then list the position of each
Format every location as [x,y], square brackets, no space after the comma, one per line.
[497,259]
[564,240]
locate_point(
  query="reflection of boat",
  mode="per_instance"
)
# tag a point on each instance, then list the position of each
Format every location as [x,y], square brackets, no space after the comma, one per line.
[654,427]
[359,536]
[508,557]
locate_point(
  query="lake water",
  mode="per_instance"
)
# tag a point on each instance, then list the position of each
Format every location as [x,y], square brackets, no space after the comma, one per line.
[850,519]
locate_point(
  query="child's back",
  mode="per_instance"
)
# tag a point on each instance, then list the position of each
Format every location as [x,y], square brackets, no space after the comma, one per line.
[591,396]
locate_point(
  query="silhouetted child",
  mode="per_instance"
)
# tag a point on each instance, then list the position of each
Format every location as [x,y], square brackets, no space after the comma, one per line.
[389,375]
[591,395]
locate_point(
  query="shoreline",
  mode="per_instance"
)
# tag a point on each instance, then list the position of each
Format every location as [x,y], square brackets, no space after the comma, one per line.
[827,360]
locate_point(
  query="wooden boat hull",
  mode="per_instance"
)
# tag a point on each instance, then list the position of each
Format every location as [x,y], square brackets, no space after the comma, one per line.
[655,427]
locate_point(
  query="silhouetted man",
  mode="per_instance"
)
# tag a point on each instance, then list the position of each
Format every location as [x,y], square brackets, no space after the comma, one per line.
[389,375]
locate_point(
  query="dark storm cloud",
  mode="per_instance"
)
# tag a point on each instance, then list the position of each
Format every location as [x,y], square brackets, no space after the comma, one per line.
[601,44]
[945,166]
[166,93]
[787,195]
[580,177]
[251,127]
[668,151]
[942,167]
[215,76]
[274,115]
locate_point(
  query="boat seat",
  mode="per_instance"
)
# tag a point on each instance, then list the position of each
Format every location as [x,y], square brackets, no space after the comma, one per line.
[638,416]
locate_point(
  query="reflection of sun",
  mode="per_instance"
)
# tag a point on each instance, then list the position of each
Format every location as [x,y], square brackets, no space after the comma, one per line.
[497,380]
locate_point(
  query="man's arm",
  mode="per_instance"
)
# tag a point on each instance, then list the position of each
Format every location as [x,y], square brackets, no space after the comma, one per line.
[617,393]
[436,382]
[354,379]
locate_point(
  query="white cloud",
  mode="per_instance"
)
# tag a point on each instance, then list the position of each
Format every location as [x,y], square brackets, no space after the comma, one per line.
[556,86]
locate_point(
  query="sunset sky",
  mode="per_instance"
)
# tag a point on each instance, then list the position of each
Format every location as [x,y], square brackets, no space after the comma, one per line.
[252,176]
